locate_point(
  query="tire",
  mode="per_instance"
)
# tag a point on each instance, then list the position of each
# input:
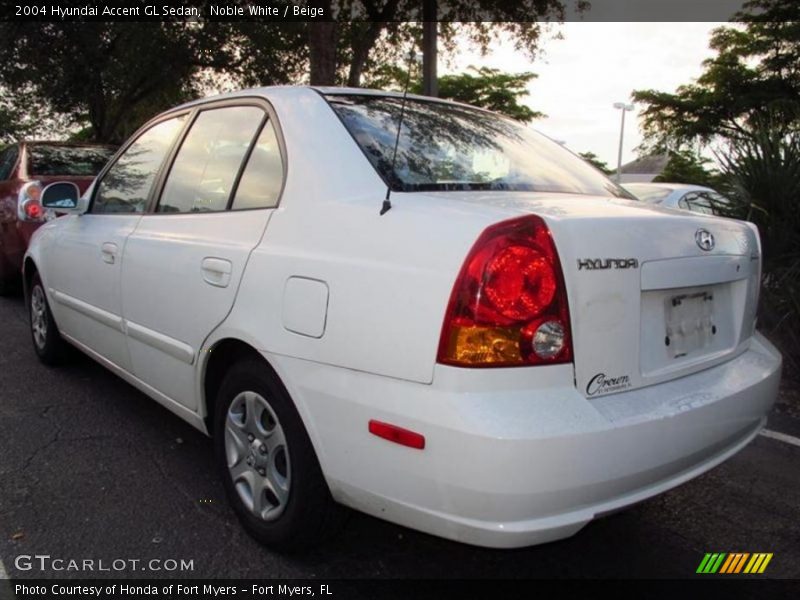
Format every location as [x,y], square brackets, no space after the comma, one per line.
[268,466]
[50,347]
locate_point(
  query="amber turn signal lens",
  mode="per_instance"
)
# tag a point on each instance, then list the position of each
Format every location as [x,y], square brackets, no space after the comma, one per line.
[473,345]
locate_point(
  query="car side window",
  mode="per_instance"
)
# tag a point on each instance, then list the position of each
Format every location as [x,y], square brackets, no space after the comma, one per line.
[262,180]
[209,160]
[125,188]
[8,158]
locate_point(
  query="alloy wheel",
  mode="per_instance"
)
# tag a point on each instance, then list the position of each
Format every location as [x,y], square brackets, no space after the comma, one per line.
[257,456]
[39,317]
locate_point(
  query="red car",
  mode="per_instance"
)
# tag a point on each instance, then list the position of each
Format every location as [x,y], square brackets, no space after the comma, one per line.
[25,168]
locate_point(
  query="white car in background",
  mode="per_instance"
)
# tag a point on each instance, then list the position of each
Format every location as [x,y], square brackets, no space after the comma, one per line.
[499,351]
[694,198]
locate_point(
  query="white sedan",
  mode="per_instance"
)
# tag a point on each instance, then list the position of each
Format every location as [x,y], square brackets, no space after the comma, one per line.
[694,198]
[464,329]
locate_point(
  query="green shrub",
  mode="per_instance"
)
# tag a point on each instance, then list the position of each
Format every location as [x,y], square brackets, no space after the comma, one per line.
[762,170]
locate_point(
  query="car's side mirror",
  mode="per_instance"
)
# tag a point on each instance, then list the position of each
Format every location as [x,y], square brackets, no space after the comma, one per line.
[62,196]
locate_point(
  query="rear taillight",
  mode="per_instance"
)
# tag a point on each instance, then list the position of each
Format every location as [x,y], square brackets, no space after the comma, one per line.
[509,303]
[29,205]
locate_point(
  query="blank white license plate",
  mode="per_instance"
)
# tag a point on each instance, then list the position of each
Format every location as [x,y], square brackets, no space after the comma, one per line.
[690,322]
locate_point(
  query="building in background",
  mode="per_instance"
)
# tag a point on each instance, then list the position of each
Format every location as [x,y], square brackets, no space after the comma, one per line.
[644,169]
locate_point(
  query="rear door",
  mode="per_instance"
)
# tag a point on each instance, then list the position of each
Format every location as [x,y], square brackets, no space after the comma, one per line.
[86,256]
[183,263]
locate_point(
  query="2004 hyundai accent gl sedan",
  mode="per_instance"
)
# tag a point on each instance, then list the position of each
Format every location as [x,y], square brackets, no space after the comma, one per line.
[505,349]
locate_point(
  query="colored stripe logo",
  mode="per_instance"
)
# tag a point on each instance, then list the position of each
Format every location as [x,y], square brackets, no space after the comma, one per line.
[734,563]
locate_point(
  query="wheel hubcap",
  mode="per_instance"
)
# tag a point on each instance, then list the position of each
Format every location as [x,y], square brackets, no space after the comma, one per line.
[38,317]
[257,455]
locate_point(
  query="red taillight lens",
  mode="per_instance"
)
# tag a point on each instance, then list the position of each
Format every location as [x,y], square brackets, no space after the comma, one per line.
[29,206]
[33,210]
[509,303]
[519,282]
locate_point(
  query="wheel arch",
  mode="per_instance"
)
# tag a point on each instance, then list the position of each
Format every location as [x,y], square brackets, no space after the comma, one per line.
[221,356]
[29,269]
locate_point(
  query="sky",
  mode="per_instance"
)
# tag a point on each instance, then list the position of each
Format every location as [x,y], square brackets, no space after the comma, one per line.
[594,66]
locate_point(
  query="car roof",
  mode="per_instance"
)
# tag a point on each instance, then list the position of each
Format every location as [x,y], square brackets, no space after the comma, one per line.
[299,90]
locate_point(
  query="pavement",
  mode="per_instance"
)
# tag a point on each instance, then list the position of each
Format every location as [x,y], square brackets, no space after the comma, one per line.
[91,469]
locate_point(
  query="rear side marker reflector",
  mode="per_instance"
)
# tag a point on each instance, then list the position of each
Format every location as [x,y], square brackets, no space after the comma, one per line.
[396,434]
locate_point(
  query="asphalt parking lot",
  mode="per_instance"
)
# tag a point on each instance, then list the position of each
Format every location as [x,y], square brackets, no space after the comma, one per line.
[92,469]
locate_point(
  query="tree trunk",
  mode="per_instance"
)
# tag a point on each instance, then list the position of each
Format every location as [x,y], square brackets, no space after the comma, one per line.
[430,82]
[322,39]
[380,15]
[361,46]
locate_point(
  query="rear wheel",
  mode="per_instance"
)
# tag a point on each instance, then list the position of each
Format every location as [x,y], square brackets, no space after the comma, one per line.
[271,474]
[50,347]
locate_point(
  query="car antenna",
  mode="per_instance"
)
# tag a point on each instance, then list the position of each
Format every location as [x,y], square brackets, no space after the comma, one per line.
[387,202]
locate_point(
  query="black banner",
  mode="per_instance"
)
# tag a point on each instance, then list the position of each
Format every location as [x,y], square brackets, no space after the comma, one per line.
[407,589]
[370,10]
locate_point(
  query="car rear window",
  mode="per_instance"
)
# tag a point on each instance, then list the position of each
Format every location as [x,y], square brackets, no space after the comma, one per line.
[451,147]
[70,161]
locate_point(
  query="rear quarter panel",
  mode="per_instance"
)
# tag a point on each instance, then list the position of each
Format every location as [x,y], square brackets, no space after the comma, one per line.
[389,277]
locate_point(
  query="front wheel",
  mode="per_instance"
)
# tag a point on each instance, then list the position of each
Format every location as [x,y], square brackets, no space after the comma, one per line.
[271,474]
[50,347]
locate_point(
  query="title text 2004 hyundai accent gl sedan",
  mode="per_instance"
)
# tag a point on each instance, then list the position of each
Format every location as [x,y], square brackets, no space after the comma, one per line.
[511,350]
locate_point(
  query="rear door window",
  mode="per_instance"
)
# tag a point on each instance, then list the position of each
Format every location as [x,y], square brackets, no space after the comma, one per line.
[262,180]
[206,167]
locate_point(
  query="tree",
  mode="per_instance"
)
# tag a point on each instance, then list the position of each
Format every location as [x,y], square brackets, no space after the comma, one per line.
[117,75]
[686,166]
[491,89]
[595,161]
[484,87]
[120,69]
[763,168]
[382,36]
[22,115]
[114,76]
[754,75]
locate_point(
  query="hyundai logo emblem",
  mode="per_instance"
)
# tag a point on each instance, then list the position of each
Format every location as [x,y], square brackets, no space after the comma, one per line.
[704,239]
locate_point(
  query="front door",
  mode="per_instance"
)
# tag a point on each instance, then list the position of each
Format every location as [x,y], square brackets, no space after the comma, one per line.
[85,280]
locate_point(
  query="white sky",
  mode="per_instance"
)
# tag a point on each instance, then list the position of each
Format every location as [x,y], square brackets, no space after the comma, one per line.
[595,65]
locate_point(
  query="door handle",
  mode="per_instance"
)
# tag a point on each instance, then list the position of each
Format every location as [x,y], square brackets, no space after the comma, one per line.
[217,271]
[109,252]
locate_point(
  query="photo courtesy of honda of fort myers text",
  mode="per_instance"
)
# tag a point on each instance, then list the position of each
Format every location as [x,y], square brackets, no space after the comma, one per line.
[455,296]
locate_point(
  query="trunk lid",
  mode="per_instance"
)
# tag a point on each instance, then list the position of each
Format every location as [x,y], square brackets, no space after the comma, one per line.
[647,303]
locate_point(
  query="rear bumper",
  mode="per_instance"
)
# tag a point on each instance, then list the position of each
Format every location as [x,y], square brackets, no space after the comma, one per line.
[516,457]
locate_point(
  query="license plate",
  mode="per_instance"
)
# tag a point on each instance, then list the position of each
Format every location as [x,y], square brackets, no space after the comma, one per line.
[690,322]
